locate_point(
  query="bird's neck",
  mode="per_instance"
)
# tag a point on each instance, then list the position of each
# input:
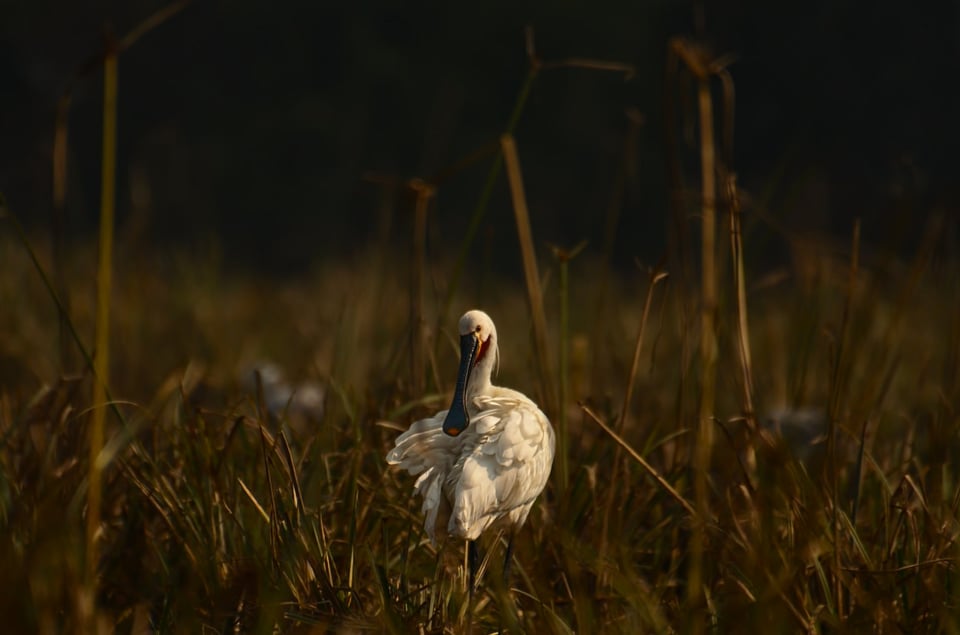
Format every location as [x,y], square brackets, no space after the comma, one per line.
[478,386]
[479,380]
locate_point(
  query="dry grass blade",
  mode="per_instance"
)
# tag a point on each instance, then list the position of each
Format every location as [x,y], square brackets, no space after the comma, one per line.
[743,329]
[656,276]
[153,21]
[534,292]
[702,67]
[628,70]
[708,336]
[294,479]
[643,463]
[110,403]
[907,567]
[564,256]
[275,538]
[253,499]
[837,384]
[102,356]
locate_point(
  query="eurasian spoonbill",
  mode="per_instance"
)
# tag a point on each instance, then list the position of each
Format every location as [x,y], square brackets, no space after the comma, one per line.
[483,462]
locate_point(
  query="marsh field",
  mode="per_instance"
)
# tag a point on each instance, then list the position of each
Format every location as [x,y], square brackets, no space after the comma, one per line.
[757,426]
[221,514]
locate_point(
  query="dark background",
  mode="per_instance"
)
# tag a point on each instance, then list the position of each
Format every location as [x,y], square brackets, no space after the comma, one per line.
[252,125]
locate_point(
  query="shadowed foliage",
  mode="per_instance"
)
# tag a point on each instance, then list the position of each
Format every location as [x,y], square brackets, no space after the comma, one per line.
[746,444]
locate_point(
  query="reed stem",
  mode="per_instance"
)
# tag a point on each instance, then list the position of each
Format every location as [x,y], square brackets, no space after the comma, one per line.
[527,251]
[564,257]
[101,359]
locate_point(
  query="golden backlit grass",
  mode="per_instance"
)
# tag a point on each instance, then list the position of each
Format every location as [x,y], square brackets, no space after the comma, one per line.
[677,507]
[219,515]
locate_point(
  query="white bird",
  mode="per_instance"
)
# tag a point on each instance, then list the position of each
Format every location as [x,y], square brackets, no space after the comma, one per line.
[483,462]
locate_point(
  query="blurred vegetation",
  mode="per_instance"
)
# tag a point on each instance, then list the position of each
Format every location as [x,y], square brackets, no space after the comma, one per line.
[221,515]
[830,495]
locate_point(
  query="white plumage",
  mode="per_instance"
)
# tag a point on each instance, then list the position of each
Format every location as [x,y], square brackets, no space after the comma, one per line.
[484,461]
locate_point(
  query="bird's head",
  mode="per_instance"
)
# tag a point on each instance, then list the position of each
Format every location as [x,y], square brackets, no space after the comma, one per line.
[478,355]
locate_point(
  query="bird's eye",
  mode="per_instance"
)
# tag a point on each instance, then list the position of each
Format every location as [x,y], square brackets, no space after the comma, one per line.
[478,328]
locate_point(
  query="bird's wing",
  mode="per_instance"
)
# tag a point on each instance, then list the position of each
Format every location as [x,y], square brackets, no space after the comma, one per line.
[508,466]
[424,445]
[424,449]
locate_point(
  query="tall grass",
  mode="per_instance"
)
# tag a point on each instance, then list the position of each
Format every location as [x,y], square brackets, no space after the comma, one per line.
[562,459]
[101,371]
[530,271]
[220,513]
[243,519]
[697,62]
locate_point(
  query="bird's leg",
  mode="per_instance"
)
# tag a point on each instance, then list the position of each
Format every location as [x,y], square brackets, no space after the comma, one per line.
[507,560]
[509,609]
[473,562]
